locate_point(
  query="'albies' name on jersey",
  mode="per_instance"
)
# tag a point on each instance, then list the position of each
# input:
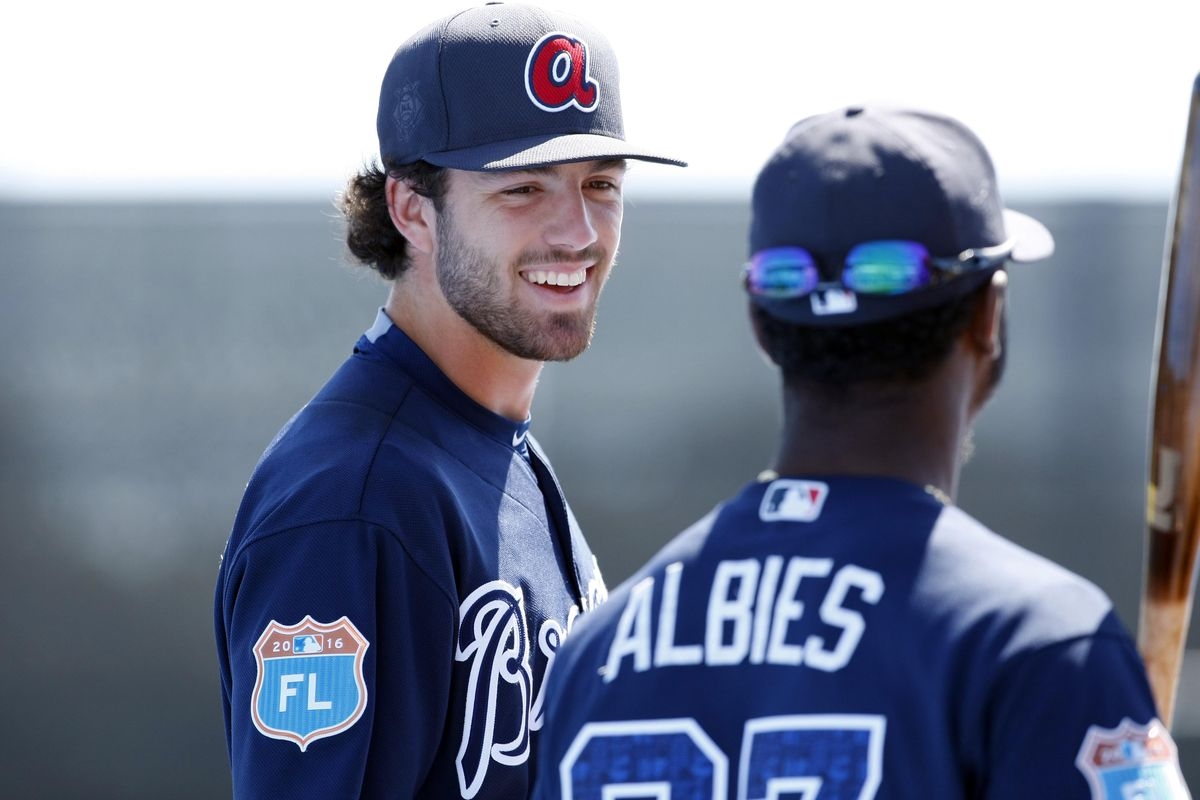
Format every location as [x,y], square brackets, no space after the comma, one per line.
[758,611]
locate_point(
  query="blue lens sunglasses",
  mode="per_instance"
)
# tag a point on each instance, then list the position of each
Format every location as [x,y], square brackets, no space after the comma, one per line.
[883,267]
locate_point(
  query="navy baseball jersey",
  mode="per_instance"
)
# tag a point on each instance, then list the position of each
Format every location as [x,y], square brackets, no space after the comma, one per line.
[401,570]
[847,638]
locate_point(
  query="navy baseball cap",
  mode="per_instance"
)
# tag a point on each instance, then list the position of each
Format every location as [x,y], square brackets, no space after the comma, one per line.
[504,86]
[869,174]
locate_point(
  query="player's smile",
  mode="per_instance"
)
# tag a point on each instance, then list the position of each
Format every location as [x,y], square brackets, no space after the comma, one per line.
[556,278]
[561,280]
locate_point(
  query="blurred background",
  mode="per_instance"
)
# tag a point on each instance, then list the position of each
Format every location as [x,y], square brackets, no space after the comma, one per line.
[173,287]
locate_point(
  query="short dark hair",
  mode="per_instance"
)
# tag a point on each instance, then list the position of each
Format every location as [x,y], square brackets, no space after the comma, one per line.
[370,235]
[901,350]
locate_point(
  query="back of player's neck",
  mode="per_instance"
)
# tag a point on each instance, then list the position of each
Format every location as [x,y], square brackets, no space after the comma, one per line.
[908,437]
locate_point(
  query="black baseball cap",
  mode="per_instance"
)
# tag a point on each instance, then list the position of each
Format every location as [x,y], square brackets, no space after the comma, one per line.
[504,86]
[863,174]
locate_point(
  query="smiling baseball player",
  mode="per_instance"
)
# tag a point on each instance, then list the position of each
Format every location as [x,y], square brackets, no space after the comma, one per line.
[404,563]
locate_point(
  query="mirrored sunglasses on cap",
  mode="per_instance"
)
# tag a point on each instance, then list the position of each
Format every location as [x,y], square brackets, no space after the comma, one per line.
[877,268]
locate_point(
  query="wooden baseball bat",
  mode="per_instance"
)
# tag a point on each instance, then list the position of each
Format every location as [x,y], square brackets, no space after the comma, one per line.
[1173,489]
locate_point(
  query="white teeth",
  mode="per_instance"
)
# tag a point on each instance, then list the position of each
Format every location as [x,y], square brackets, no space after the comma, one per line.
[557,278]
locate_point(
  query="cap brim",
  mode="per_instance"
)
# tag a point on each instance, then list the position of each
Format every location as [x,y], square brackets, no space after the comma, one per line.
[541,151]
[1033,240]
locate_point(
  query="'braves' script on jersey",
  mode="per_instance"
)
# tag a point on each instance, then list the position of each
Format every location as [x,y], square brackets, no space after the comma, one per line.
[494,639]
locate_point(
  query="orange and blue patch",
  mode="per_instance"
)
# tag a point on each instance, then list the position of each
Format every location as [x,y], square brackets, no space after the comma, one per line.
[1131,761]
[310,680]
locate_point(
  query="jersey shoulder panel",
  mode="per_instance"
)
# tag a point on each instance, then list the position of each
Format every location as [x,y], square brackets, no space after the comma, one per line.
[979,578]
[374,445]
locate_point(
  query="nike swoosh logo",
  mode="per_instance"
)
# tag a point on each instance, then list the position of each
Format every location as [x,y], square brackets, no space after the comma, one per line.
[518,438]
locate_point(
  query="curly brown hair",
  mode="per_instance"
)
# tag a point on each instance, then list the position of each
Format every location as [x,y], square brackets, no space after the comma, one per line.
[370,235]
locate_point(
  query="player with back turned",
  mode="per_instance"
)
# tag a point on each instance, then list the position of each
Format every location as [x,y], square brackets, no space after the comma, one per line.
[404,562]
[840,629]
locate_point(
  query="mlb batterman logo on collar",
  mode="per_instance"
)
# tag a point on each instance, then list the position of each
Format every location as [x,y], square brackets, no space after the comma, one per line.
[504,86]
[867,213]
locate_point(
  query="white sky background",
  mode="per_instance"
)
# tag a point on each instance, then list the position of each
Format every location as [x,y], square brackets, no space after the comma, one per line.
[273,99]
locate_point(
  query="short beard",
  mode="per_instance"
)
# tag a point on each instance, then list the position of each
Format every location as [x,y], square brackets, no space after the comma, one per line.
[474,286]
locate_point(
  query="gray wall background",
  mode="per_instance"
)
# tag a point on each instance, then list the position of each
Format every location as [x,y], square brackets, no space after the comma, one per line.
[150,350]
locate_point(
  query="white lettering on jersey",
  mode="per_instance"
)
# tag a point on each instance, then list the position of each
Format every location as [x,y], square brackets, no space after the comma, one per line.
[493,637]
[597,592]
[632,637]
[752,614]
[834,613]
[767,584]
[788,609]
[551,636]
[730,604]
[666,652]
[549,639]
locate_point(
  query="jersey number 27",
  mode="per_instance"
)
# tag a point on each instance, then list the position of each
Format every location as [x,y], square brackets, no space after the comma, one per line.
[814,757]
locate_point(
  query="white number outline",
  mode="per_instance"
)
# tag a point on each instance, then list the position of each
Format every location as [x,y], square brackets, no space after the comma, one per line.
[874,725]
[810,786]
[597,730]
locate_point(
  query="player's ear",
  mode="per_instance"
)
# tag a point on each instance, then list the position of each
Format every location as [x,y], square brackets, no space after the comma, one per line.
[413,214]
[985,331]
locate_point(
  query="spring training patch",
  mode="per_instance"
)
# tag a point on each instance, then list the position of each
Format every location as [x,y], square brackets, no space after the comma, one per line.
[1131,761]
[310,680]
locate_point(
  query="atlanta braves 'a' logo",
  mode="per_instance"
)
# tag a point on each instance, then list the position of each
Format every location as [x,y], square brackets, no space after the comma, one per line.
[556,74]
